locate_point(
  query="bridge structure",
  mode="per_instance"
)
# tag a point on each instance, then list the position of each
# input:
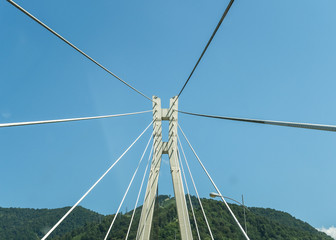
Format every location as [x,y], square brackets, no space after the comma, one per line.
[173,148]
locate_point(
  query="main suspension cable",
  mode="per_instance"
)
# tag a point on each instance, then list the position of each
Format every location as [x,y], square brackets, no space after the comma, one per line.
[207,45]
[73,207]
[330,128]
[213,183]
[137,200]
[67,119]
[74,47]
[129,185]
[191,205]
[198,197]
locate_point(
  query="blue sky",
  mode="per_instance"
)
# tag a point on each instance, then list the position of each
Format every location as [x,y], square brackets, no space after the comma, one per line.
[270,60]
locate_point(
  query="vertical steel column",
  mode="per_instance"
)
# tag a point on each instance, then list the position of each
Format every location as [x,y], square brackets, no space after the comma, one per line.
[146,218]
[181,204]
[170,148]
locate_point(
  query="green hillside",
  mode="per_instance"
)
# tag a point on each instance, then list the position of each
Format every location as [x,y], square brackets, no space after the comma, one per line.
[87,225]
[261,224]
[31,224]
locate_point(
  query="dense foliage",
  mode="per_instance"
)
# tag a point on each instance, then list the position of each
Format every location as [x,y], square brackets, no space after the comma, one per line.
[30,224]
[261,223]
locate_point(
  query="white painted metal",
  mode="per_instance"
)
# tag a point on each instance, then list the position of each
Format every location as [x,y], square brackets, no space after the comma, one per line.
[181,205]
[146,218]
[160,148]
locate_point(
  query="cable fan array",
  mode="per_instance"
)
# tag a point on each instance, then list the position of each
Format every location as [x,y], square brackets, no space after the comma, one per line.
[180,150]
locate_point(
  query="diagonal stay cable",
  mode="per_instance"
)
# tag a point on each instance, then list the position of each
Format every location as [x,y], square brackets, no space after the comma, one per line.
[204,50]
[107,171]
[198,197]
[137,200]
[213,183]
[207,45]
[74,47]
[330,128]
[191,205]
[129,185]
[67,119]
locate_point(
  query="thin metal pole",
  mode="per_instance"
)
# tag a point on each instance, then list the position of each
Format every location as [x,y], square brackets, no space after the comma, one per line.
[234,200]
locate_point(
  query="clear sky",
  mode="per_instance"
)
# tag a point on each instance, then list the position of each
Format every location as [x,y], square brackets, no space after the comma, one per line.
[271,60]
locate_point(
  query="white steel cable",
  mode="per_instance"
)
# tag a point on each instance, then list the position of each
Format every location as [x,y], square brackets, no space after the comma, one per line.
[213,183]
[129,185]
[330,128]
[204,50]
[198,197]
[74,47]
[68,119]
[207,45]
[136,203]
[73,207]
[191,206]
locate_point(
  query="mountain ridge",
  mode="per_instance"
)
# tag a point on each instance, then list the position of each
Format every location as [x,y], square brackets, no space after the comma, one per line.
[84,224]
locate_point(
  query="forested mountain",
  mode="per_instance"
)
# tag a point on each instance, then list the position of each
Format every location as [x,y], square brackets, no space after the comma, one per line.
[87,225]
[31,224]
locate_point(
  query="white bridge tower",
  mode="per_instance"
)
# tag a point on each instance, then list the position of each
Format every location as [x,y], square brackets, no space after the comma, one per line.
[160,148]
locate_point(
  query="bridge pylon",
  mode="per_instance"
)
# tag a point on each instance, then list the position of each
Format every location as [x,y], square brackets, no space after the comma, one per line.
[159,148]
